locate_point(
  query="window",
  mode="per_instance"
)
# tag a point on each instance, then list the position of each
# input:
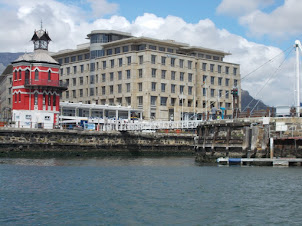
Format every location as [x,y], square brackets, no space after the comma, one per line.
[163,60]
[82,68]
[80,57]
[189,64]
[91,79]
[181,89]
[91,91]
[153,100]
[204,79]
[68,70]
[141,59]
[19,97]
[104,77]
[49,75]
[128,87]
[220,93]
[128,101]
[54,100]
[103,90]
[47,118]
[204,92]
[172,62]
[152,47]
[212,67]
[162,49]
[16,75]
[173,100]
[173,75]
[190,90]
[73,58]
[104,64]
[227,82]
[235,82]
[119,74]
[181,63]
[227,70]
[140,73]
[125,49]
[208,57]
[35,100]
[212,80]
[119,101]
[140,100]
[36,74]
[81,92]
[219,68]
[67,94]
[204,66]
[212,92]
[181,76]
[153,86]
[163,74]
[190,77]
[74,81]
[163,87]
[153,72]
[81,80]
[128,74]
[163,101]
[20,74]
[219,81]
[173,88]
[129,60]
[120,62]
[111,89]
[87,56]
[140,86]
[112,63]
[109,52]
[153,59]
[66,60]
[92,66]
[227,94]
[117,50]
[111,76]
[119,88]
[16,98]
[96,78]
[235,71]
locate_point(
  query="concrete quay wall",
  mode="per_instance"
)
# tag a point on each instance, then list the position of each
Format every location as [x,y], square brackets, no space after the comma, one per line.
[249,138]
[72,143]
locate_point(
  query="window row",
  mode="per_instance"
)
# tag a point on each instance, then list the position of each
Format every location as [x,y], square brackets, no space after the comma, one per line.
[219,81]
[219,68]
[18,75]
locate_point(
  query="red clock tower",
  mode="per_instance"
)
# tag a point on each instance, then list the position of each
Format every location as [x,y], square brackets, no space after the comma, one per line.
[36,86]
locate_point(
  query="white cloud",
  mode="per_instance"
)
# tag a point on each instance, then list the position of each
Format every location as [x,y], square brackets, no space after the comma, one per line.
[68,26]
[102,7]
[241,7]
[284,21]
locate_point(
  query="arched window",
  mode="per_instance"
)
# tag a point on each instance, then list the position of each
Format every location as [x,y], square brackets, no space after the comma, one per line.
[16,75]
[49,75]
[36,74]
[19,97]
[27,76]
[15,98]
[20,74]
[49,100]
[36,98]
[54,100]
[44,98]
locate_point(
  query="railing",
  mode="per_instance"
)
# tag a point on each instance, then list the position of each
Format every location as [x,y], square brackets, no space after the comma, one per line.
[45,82]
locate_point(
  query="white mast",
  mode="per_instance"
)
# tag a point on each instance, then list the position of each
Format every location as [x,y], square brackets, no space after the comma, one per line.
[298,46]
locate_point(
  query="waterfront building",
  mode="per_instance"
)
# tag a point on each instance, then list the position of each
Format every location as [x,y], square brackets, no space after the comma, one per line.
[167,80]
[6,94]
[36,87]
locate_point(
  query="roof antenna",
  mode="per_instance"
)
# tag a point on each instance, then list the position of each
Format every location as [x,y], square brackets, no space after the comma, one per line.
[41,25]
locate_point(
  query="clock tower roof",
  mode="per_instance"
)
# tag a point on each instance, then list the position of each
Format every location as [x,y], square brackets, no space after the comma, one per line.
[40,35]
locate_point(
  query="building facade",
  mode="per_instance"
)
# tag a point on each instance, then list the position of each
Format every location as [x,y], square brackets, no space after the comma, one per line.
[36,87]
[168,80]
[6,94]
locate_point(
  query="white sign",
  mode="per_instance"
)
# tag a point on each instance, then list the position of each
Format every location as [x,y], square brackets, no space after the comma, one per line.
[280,126]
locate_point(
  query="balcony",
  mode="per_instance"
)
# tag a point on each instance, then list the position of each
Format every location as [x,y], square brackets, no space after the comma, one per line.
[31,83]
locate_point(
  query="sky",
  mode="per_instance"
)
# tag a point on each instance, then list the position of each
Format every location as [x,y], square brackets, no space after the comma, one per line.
[260,34]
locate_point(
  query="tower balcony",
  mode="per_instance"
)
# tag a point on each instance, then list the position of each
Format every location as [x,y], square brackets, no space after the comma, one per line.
[45,83]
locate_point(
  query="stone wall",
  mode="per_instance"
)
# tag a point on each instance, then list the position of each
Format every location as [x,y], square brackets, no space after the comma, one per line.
[61,143]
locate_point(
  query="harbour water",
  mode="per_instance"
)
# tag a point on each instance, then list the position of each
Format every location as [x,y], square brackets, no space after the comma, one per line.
[146,191]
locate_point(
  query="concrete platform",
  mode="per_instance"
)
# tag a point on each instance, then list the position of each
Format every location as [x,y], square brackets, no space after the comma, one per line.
[260,161]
